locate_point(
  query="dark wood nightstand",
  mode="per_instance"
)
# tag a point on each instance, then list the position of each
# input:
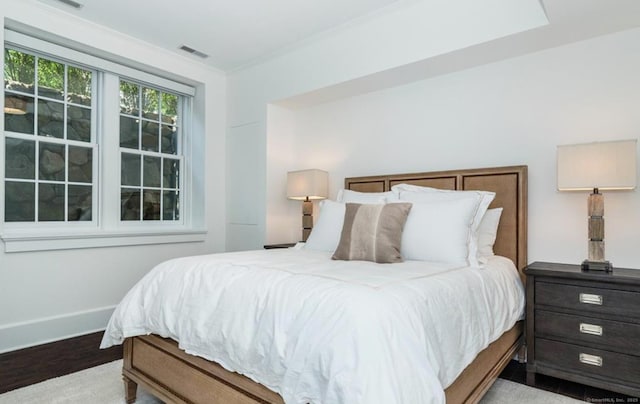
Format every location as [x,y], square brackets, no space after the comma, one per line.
[584,326]
[273,246]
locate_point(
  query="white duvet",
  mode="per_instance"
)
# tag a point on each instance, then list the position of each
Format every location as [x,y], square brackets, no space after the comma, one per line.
[322,331]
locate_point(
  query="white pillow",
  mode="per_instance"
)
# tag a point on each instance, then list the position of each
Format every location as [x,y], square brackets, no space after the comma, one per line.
[408,192]
[347,195]
[325,234]
[487,233]
[414,193]
[439,230]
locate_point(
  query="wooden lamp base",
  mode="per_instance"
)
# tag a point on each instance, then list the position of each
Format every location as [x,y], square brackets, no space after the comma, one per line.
[596,261]
[307,219]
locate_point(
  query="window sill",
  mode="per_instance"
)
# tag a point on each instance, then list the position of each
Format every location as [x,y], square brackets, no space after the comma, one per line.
[17,242]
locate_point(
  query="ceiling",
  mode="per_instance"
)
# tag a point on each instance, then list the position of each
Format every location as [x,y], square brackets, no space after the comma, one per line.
[233,33]
[239,33]
[569,21]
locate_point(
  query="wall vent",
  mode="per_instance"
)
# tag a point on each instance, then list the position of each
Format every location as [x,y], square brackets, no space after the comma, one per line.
[72,3]
[194,52]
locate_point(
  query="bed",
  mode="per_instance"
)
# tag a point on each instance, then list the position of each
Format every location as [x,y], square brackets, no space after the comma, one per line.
[173,375]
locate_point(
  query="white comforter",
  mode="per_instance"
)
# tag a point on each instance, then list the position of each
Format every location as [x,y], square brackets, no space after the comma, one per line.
[322,331]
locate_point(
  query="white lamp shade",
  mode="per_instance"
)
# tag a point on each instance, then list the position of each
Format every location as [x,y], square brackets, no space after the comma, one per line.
[303,184]
[602,165]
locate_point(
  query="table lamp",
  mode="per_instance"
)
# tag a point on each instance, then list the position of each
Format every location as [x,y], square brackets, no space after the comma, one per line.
[306,186]
[600,166]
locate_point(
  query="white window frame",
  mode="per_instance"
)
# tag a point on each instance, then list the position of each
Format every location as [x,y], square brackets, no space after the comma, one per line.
[38,225]
[183,111]
[107,229]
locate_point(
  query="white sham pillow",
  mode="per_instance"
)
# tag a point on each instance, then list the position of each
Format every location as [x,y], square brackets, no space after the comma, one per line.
[409,192]
[325,234]
[414,193]
[487,233]
[347,195]
[439,230]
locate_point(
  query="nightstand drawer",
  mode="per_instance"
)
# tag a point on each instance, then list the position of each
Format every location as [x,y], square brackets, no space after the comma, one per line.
[588,299]
[612,335]
[584,326]
[588,361]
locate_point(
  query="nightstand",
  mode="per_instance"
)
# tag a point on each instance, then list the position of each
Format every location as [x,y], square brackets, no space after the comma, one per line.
[584,326]
[273,246]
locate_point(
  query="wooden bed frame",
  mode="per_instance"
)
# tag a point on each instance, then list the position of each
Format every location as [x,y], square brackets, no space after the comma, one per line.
[170,374]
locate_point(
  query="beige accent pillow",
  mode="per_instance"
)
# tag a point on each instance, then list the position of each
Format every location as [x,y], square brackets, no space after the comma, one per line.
[372,232]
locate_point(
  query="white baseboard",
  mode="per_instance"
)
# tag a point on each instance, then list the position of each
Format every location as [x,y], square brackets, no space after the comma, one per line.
[30,333]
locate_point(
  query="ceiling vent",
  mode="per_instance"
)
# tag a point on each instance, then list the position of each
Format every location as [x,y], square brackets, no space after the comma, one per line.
[192,51]
[73,3]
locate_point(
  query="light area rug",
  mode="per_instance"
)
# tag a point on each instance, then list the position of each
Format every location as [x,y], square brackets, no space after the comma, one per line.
[103,385]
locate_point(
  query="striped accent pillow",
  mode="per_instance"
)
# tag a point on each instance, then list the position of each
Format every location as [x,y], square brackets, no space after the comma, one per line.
[372,232]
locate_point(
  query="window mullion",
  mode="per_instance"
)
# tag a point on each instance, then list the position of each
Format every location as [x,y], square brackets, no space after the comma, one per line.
[109,152]
[36,207]
[141,189]
[67,164]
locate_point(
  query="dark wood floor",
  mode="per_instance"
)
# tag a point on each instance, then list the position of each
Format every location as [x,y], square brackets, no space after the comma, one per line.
[32,365]
[516,372]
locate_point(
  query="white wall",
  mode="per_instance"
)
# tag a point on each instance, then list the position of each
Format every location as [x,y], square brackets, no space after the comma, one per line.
[284,221]
[511,112]
[55,294]
[412,32]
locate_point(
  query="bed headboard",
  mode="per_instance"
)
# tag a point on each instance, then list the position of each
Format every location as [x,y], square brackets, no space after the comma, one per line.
[509,184]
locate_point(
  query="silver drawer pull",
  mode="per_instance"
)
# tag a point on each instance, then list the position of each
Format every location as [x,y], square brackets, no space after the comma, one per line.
[588,298]
[591,329]
[592,360]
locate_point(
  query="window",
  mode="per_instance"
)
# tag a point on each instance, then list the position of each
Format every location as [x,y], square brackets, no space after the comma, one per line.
[49,140]
[79,171]
[149,160]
